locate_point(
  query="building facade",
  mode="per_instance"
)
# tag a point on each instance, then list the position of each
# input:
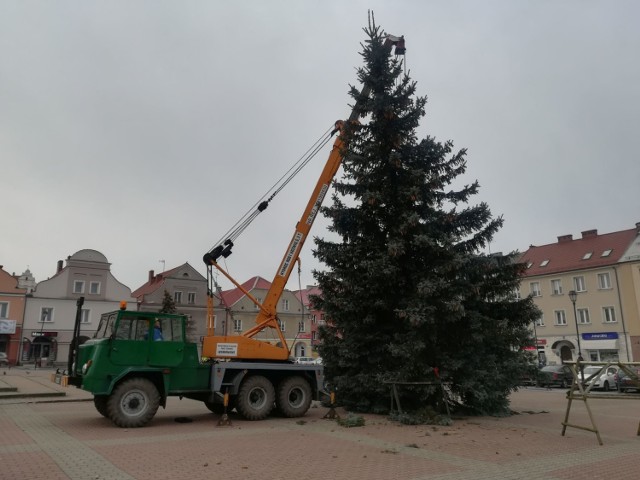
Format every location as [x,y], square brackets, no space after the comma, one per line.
[588,291]
[12,305]
[188,289]
[51,309]
[239,314]
[316,317]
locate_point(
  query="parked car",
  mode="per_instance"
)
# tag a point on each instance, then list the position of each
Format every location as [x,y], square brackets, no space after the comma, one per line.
[4,360]
[607,380]
[555,376]
[626,383]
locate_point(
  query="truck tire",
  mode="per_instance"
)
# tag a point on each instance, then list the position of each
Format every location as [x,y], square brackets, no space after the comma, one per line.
[255,398]
[100,402]
[294,397]
[133,403]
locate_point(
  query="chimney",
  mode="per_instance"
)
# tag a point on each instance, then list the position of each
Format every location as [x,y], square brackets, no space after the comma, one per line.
[59,268]
[590,233]
[150,276]
[565,238]
[638,228]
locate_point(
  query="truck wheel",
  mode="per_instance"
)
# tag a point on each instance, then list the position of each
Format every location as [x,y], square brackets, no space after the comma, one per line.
[133,403]
[294,397]
[100,402]
[255,398]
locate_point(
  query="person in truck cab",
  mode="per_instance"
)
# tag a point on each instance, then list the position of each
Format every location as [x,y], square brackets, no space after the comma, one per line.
[157,332]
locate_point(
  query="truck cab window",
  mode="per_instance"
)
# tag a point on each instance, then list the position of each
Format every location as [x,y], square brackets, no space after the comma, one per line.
[106,326]
[132,328]
[171,329]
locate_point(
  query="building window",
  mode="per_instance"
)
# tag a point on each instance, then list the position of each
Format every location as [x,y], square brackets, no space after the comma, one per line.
[314,319]
[540,321]
[544,263]
[283,326]
[78,286]
[578,284]
[4,309]
[46,314]
[314,335]
[301,326]
[237,325]
[191,298]
[556,287]
[257,307]
[94,288]
[587,256]
[583,316]
[609,314]
[535,289]
[606,253]
[285,304]
[604,281]
[84,316]
[561,318]
[177,297]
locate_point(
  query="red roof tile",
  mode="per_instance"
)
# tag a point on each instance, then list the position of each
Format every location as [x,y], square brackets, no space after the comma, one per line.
[568,254]
[314,290]
[230,297]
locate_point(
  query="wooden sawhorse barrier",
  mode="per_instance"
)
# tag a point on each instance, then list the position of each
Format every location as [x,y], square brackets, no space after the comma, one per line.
[581,390]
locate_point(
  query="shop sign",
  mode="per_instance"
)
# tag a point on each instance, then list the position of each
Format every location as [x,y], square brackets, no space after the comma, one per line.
[7,326]
[600,336]
[44,334]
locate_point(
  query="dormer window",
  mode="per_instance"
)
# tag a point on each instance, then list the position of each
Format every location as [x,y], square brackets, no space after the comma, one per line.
[544,263]
[606,253]
[587,255]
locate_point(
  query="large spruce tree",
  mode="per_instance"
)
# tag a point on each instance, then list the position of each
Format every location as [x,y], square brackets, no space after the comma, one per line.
[406,288]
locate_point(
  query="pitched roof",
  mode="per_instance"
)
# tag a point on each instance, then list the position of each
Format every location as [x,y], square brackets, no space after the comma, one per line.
[231,297]
[305,293]
[590,251]
[155,282]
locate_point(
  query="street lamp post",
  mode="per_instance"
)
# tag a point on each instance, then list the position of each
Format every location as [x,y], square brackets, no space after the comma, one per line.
[573,296]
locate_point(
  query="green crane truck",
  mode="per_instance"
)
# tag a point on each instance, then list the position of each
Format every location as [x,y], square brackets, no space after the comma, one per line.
[131,370]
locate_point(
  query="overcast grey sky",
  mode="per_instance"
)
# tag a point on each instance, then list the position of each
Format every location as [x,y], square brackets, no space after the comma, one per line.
[145,129]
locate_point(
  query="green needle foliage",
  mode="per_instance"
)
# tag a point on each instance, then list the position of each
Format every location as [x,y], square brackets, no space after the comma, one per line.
[168,303]
[406,287]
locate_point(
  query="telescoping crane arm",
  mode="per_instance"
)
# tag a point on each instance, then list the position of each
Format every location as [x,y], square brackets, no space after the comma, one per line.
[244,346]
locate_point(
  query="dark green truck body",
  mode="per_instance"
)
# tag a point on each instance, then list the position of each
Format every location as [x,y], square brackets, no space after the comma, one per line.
[131,374]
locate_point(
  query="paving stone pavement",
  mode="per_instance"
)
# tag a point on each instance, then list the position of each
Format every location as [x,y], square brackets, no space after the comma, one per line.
[65,438]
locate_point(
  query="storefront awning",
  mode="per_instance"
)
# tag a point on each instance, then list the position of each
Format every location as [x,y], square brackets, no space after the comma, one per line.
[600,345]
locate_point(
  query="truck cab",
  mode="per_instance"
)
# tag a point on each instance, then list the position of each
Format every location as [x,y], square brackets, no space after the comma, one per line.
[148,347]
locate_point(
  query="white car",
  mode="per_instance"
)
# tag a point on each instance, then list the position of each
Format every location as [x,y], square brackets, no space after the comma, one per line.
[4,360]
[607,380]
